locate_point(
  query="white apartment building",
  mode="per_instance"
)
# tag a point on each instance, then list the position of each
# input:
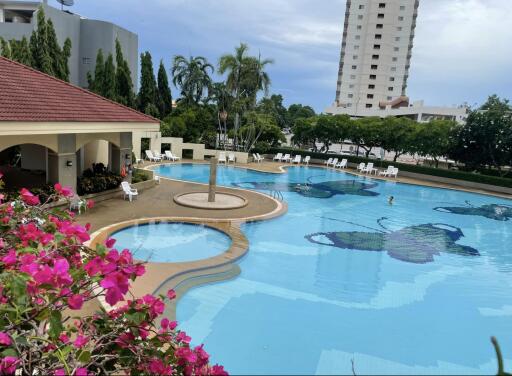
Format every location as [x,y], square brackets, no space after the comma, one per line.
[375,58]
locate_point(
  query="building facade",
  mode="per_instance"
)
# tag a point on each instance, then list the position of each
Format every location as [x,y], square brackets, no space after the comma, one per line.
[18,19]
[374,64]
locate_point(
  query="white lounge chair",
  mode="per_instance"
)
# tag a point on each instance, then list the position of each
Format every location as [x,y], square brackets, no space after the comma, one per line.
[297,159]
[129,191]
[306,160]
[369,169]
[257,158]
[222,157]
[278,157]
[361,166]
[342,164]
[387,172]
[152,158]
[76,203]
[395,172]
[158,154]
[333,162]
[328,162]
[231,157]
[176,158]
[286,158]
[260,158]
[170,156]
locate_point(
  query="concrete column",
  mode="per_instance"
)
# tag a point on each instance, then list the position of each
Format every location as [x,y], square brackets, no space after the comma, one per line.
[2,19]
[213,179]
[62,165]
[155,141]
[122,155]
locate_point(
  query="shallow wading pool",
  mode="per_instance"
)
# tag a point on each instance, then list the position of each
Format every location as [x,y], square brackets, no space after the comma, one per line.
[414,287]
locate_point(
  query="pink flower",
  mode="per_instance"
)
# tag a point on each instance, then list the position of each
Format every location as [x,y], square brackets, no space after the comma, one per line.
[80,341]
[64,338]
[8,365]
[171,294]
[218,371]
[157,367]
[64,191]
[182,337]
[28,197]
[109,243]
[5,339]
[76,301]
[59,372]
[116,285]
[10,258]
[164,323]
[90,204]
[81,372]
[185,355]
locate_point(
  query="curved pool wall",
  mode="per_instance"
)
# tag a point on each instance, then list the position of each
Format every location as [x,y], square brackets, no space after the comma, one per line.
[172,241]
[416,287]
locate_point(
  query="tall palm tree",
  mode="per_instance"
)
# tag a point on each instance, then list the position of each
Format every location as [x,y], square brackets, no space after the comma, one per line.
[246,76]
[192,77]
[221,96]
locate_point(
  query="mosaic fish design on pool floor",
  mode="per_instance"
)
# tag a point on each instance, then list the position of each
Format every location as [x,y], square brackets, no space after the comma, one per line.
[492,211]
[415,244]
[325,189]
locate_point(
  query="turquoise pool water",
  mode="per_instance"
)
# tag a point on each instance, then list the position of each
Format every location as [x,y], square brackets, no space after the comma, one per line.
[416,287]
[172,242]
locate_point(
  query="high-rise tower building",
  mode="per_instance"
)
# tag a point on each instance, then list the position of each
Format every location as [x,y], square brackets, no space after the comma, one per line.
[376,52]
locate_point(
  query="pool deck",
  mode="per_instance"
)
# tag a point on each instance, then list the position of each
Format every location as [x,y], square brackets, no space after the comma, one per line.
[157,204]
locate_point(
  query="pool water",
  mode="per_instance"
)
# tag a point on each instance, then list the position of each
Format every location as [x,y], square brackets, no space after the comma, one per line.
[417,287]
[172,242]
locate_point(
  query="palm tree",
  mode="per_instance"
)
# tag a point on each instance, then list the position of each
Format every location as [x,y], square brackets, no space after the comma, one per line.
[223,100]
[192,77]
[246,76]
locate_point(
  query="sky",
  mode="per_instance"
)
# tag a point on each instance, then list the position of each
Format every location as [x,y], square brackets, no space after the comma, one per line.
[462,51]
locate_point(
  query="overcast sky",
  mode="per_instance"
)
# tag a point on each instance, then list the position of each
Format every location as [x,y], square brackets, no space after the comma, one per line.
[461,53]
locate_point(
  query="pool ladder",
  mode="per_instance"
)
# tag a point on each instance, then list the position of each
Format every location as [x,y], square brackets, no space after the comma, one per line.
[277,195]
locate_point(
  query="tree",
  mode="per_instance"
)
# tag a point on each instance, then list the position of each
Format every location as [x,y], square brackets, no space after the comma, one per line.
[164,92]
[124,83]
[192,77]
[397,135]
[5,48]
[298,111]
[96,82]
[223,100]
[148,94]
[433,139]
[486,138]
[255,126]
[108,89]
[21,51]
[274,106]
[246,76]
[303,132]
[367,133]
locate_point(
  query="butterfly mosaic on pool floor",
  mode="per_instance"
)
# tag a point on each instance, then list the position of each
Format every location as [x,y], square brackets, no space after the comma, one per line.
[491,211]
[415,244]
[325,189]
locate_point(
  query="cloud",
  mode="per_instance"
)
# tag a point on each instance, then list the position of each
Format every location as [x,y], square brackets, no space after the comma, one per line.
[461,48]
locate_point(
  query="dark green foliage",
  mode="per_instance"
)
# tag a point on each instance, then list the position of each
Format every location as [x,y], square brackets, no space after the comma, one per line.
[148,94]
[97,179]
[139,176]
[192,77]
[96,82]
[124,84]
[109,79]
[164,92]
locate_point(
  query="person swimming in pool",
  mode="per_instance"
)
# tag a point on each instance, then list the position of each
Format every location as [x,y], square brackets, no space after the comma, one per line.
[390,200]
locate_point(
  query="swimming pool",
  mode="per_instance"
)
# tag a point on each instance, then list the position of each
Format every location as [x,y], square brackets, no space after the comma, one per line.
[414,287]
[172,242]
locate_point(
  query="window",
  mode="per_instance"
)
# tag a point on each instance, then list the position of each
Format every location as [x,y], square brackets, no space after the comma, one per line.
[402,7]
[354,66]
[399,28]
[350,95]
[380,26]
[395,59]
[356,47]
[86,60]
[349,104]
[389,98]
[351,86]
[352,76]
[390,88]
[358,37]
[382,5]
[373,77]
[371,86]
[378,36]
[374,66]
[360,17]
[396,49]
[368,105]
[397,39]
[369,96]
[361,6]
[381,15]
[359,27]
[400,18]
[375,57]
[376,46]
[392,79]
[393,69]
[355,57]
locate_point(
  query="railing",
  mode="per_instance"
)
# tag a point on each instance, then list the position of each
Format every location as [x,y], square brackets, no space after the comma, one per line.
[277,195]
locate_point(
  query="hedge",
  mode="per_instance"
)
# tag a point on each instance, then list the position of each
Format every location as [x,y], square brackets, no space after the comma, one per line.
[444,173]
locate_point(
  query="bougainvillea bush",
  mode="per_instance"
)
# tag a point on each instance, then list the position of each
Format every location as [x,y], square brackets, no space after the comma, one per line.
[46,276]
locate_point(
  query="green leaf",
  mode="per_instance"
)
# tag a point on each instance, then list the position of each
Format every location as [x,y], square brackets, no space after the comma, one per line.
[84,356]
[9,352]
[55,321]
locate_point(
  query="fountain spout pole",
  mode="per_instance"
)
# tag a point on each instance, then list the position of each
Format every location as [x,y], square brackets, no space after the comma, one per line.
[213,179]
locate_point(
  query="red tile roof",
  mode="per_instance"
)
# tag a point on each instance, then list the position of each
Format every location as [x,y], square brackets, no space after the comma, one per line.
[29,95]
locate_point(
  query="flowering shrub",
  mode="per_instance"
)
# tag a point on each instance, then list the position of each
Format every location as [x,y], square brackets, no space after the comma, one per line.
[46,276]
